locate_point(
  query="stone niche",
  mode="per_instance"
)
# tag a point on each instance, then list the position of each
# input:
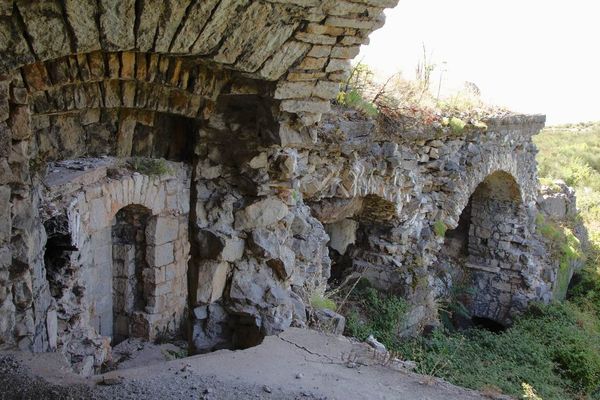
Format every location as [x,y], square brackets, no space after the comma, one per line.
[116,255]
[487,251]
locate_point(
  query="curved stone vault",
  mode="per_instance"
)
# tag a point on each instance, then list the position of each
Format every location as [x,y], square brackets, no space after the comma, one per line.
[205,117]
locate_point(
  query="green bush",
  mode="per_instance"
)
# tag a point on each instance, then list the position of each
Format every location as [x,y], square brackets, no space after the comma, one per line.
[565,246]
[354,99]
[371,312]
[549,348]
[149,166]
[320,302]
[440,228]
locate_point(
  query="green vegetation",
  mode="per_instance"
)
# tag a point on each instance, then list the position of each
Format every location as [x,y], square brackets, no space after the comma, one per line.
[370,312]
[149,166]
[572,153]
[553,351]
[397,96]
[440,228]
[353,93]
[457,125]
[565,246]
[322,302]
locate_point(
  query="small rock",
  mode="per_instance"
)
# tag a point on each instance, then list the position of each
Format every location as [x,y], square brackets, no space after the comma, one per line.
[374,343]
[299,375]
[267,389]
[110,380]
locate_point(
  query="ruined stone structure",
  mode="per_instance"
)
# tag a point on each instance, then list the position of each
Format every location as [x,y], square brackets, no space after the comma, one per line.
[260,198]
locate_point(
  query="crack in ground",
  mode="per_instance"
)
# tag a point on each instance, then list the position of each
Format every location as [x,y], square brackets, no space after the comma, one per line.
[331,360]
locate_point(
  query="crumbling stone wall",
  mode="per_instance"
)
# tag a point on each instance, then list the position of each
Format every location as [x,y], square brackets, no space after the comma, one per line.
[263,196]
[89,196]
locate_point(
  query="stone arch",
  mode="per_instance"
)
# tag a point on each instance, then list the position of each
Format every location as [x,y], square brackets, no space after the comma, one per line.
[488,245]
[350,224]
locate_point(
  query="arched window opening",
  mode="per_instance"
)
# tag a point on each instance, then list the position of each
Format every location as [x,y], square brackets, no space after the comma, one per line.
[129,264]
[480,259]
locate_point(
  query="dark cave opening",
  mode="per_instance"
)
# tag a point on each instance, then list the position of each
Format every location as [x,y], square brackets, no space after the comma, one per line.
[488,324]
[57,254]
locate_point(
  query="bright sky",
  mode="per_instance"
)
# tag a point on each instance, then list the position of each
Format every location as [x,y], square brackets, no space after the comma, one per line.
[533,56]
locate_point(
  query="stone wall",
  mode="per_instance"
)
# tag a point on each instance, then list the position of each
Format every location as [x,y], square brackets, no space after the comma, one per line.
[270,201]
[89,289]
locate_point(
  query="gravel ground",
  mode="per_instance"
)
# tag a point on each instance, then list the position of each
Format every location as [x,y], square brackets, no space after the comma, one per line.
[17,382]
[297,364]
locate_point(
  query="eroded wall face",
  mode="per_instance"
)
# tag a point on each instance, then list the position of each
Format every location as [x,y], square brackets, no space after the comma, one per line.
[258,181]
[117,258]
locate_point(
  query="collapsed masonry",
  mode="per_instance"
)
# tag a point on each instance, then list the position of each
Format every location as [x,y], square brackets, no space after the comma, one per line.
[259,202]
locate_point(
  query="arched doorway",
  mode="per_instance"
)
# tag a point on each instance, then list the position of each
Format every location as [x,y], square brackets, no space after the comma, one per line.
[128,266]
[483,253]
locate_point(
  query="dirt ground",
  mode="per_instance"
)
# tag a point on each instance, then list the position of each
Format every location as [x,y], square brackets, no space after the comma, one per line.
[297,364]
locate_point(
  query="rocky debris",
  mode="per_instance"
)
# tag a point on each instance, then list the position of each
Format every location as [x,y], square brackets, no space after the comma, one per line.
[374,343]
[329,321]
[318,361]
[265,193]
[558,201]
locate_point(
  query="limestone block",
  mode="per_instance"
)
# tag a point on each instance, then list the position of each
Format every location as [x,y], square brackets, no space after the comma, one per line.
[171,19]
[5,214]
[213,32]
[345,52]
[212,277]
[20,122]
[314,38]
[99,217]
[197,17]
[283,59]
[342,234]
[261,214]
[82,19]
[319,51]
[326,90]
[309,63]
[324,29]
[256,27]
[46,28]
[160,255]
[233,249]
[368,24]
[13,46]
[312,106]
[296,75]
[117,20]
[337,65]
[294,90]
[162,229]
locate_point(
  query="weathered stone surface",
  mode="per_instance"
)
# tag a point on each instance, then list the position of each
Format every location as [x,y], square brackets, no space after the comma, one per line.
[212,277]
[46,27]
[5,214]
[342,234]
[197,17]
[162,230]
[329,321]
[261,214]
[283,59]
[173,14]
[214,30]
[117,21]
[81,16]
[235,88]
